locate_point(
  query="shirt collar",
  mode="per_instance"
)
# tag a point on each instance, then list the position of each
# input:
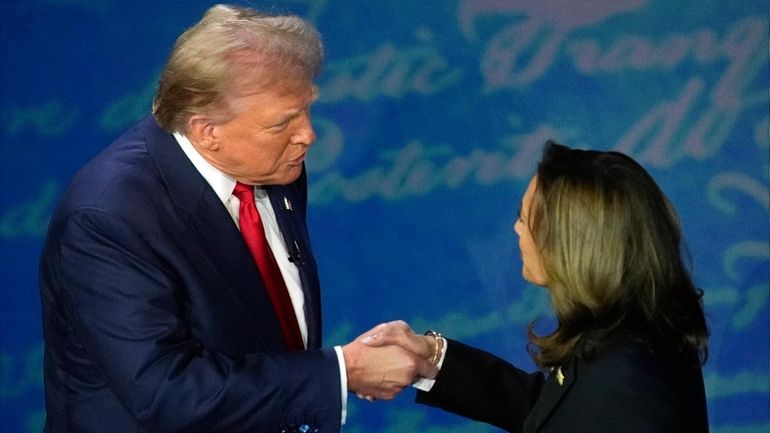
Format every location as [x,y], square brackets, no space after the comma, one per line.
[221,183]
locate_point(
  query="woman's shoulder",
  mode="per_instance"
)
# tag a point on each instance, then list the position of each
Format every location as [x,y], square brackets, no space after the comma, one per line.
[634,359]
[645,382]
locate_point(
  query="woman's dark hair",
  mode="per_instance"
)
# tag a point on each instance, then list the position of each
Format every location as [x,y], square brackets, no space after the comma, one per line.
[611,247]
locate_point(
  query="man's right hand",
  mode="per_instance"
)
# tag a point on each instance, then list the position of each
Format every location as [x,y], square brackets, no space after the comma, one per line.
[382,372]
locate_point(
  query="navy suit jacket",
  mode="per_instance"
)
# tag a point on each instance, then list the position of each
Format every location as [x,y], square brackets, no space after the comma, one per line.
[626,388]
[154,315]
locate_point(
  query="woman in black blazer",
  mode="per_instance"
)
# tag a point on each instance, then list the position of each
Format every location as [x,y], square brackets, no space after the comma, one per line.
[626,356]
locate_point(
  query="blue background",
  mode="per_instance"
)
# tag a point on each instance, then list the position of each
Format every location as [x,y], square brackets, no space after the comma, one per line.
[431,119]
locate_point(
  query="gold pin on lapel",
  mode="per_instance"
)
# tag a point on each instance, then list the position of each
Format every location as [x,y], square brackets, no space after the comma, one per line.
[559,376]
[286,203]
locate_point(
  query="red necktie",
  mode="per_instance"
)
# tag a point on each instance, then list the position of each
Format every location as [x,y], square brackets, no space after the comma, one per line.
[254,235]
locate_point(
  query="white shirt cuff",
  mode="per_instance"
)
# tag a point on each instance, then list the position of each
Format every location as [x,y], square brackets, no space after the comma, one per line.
[344,382]
[424,384]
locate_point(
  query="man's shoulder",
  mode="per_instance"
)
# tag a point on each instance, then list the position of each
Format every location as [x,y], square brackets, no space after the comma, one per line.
[121,174]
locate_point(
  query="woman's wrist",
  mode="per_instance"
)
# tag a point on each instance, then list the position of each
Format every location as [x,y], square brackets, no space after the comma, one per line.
[437,346]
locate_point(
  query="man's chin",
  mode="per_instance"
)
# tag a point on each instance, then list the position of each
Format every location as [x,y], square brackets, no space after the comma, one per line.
[287,176]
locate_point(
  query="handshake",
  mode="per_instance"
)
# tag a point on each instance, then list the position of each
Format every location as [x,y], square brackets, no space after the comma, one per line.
[389,357]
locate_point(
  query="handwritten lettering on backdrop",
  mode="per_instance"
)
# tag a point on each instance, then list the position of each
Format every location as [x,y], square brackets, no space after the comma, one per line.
[687,101]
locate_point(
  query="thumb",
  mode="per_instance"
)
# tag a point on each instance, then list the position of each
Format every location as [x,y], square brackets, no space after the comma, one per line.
[374,339]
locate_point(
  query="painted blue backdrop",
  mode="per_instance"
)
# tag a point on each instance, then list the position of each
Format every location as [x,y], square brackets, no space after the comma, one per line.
[431,118]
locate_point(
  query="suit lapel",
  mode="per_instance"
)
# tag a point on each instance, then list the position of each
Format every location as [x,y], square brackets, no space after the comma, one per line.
[213,241]
[551,396]
[289,209]
[227,254]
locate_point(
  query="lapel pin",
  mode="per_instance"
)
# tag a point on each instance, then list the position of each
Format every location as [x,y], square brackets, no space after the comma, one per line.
[295,255]
[559,376]
[286,203]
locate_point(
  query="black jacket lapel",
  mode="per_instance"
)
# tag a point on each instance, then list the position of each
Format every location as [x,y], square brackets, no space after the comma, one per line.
[551,396]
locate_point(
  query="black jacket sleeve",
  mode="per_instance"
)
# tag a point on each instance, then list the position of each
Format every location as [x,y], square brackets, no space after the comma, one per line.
[480,386]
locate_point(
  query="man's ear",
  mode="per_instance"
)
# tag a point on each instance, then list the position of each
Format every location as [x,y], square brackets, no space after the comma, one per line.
[202,132]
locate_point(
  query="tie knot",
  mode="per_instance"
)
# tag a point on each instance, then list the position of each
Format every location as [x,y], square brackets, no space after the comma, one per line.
[245,193]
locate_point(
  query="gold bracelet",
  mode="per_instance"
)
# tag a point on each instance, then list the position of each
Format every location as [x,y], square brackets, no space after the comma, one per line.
[438,348]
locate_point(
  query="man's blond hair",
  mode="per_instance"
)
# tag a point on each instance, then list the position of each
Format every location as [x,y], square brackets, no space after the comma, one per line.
[231,52]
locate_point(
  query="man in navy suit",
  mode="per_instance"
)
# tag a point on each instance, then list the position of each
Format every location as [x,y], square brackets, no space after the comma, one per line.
[156,318]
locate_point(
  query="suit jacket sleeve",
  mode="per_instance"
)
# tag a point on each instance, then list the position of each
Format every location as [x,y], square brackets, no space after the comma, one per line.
[124,309]
[478,385]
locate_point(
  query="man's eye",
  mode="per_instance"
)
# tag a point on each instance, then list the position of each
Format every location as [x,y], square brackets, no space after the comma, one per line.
[281,126]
